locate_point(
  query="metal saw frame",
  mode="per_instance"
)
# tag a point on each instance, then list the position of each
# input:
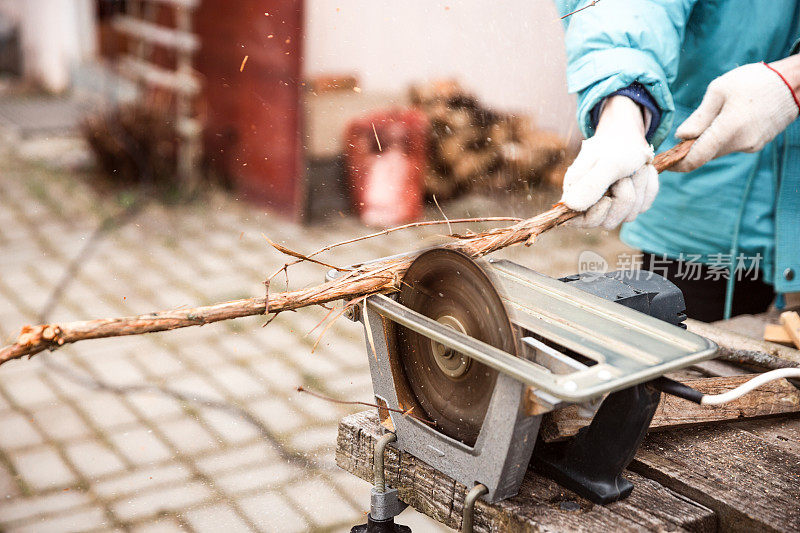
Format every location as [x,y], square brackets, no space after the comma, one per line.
[629,347]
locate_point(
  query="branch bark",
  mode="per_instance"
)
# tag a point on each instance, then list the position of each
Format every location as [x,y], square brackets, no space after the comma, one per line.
[372,278]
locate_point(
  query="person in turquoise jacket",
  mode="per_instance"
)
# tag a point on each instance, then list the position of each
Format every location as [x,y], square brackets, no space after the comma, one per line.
[649,73]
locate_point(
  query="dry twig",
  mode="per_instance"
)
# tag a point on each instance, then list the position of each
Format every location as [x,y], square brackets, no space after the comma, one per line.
[371,278]
[587,6]
[366,404]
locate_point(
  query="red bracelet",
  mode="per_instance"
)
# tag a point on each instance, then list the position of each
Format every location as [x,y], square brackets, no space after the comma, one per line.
[794,94]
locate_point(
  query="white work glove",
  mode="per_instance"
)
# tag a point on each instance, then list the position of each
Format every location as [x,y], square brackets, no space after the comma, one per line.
[616,159]
[741,111]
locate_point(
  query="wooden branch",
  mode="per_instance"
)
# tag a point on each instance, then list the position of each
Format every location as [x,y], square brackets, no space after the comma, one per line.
[738,348]
[775,397]
[381,277]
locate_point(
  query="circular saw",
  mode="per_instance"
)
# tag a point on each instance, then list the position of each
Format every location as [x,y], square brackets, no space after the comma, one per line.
[468,356]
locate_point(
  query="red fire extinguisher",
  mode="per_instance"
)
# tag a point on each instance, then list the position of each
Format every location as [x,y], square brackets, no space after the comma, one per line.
[386,159]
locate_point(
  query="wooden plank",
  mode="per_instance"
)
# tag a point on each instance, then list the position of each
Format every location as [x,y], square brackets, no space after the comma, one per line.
[782,433]
[777,334]
[774,398]
[751,482]
[156,34]
[538,507]
[791,323]
[154,75]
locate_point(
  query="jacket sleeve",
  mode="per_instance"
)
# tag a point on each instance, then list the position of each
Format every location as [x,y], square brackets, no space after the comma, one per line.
[615,43]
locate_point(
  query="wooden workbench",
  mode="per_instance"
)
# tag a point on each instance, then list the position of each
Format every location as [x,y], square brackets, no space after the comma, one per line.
[732,476]
[740,476]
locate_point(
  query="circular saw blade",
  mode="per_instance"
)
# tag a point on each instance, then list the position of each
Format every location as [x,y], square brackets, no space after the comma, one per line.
[451,389]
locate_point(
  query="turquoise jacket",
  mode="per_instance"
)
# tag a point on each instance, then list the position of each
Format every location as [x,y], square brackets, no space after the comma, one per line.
[743,206]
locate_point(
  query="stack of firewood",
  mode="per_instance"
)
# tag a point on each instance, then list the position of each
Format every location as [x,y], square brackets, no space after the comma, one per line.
[473,148]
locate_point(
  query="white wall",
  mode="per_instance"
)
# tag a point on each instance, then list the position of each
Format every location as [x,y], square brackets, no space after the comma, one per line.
[11,9]
[510,52]
[56,35]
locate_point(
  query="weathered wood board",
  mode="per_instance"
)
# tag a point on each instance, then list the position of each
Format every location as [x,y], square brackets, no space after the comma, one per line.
[774,398]
[747,472]
[538,507]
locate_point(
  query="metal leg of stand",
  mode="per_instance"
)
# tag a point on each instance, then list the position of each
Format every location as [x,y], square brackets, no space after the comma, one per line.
[469,506]
[380,447]
[384,504]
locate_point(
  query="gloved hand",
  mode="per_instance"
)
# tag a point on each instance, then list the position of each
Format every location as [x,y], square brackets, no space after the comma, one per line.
[617,158]
[741,111]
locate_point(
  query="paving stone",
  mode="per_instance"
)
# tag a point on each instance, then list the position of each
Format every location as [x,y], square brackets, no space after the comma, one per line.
[277,415]
[141,446]
[29,391]
[118,372]
[272,512]
[61,422]
[356,489]
[351,387]
[142,479]
[348,353]
[22,369]
[316,364]
[196,387]
[232,428]
[101,351]
[237,382]
[162,525]
[280,376]
[8,485]
[199,353]
[320,501]
[216,518]
[68,388]
[17,431]
[265,477]
[23,508]
[83,520]
[155,406]
[151,503]
[160,366]
[26,288]
[93,459]
[188,436]
[105,410]
[315,439]
[239,346]
[42,468]
[280,338]
[248,456]
[316,408]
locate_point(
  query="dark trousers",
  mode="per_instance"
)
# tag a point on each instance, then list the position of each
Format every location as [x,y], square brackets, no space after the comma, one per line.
[704,289]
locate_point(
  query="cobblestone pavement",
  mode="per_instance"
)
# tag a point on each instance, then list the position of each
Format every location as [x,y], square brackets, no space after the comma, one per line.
[234,447]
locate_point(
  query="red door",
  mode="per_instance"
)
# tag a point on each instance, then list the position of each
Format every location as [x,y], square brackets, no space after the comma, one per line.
[253,115]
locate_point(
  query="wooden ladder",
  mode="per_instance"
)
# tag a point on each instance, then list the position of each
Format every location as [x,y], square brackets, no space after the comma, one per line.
[139,25]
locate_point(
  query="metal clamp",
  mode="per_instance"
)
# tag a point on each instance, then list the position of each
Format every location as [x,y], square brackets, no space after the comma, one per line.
[384,503]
